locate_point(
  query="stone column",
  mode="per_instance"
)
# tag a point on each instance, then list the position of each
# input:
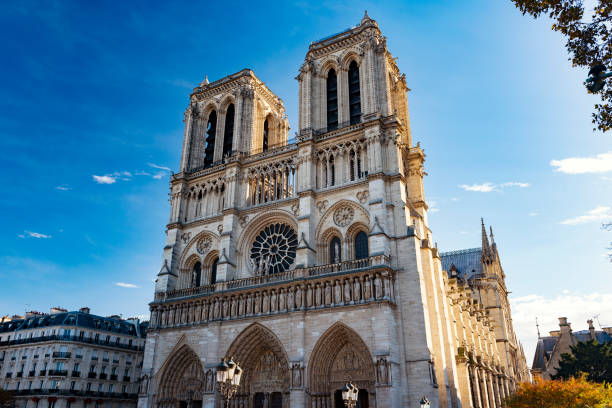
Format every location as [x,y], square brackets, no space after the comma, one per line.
[237,120]
[186,140]
[475,381]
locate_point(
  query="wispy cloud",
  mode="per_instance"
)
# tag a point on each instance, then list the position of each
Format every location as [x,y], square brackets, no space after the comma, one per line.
[104,179]
[433,207]
[598,213]
[533,214]
[156,166]
[37,235]
[126,285]
[62,188]
[601,163]
[487,187]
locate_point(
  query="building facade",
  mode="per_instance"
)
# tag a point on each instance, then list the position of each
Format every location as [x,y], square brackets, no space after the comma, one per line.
[550,348]
[311,261]
[71,360]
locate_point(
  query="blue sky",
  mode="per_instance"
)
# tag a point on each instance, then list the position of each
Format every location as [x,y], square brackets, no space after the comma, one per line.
[94,92]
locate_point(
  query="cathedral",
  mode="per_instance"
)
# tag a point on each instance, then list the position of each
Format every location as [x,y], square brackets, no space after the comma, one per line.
[310,261]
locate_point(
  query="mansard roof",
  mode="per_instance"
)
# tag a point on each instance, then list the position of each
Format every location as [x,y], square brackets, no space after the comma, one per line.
[77,319]
[467,262]
[546,344]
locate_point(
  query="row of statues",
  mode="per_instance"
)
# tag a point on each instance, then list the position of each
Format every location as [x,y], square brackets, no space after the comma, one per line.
[334,292]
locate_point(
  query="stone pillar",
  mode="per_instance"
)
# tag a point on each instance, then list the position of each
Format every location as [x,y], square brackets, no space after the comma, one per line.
[237,120]
[343,97]
[475,381]
[186,140]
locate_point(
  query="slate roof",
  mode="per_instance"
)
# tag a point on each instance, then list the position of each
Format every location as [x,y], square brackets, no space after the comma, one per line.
[585,335]
[546,345]
[466,261]
[77,319]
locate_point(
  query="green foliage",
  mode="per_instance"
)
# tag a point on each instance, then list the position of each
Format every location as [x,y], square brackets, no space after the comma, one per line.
[572,393]
[588,42]
[589,358]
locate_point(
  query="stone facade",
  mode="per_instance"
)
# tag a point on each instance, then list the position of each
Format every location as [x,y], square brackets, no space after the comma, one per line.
[311,261]
[71,360]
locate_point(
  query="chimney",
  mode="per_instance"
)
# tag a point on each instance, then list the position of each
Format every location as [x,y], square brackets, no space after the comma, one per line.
[591,329]
[85,310]
[564,326]
[56,310]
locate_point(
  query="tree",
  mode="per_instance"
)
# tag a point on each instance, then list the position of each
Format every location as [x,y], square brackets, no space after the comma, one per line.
[572,393]
[589,357]
[589,43]
[7,399]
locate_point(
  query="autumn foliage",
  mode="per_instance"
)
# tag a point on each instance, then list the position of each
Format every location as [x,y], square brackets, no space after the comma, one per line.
[572,393]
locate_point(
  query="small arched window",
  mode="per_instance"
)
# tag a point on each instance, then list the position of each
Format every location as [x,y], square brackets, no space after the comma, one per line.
[196,275]
[228,134]
[264,145]
[213,271]
[209,145]
[335,253]
[354,93]
[332,100]
[361,245]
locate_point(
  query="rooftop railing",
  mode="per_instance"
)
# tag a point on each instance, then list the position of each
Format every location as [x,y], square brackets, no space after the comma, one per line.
[69,338]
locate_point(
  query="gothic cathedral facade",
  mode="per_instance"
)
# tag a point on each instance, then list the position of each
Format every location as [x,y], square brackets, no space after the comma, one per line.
[310,261]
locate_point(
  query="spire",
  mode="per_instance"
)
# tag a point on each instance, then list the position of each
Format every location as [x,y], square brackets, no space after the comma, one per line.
[491,235]
[538,327]
[205,81]
[485,240]
[365,18]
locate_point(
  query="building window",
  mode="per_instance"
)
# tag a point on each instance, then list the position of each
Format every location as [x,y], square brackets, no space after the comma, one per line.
[334,251]
[209,143]
[213,271]
[228,134]
[332,100]
[100,387]
[264,146]
[354,93]
[88,386]
[196,275]
[72,384]
[361,245]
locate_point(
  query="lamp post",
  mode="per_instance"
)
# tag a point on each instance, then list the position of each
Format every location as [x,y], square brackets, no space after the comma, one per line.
[228,379]
[349,395]
[425,402]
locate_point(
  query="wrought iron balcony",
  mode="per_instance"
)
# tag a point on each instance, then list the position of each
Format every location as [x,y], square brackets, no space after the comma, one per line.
[19,374]
[41,339]
[58,373]
[103,376]
[126,379]
[76,374]
[91,374]
[61,354]
[32,373]
[113,377]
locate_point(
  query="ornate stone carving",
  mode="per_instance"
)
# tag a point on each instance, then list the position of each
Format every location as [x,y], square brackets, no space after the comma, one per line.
[186,236]
[204,244]
[322,206]
[344,215]
[220,228]
[243,220]
[362,196]
[296,375]
[383,371]
[296,209]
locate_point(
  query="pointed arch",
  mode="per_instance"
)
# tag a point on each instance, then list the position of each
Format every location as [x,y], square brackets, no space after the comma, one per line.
[264,360]
[339,355]
[181,377]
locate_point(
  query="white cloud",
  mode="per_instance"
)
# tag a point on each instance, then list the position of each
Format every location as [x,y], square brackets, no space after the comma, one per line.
[576,307]
[487,187]
[126,285]
[601,163]
[433,207]
[533,214]
[515,184]
[62,188]
[159,176]
[599,213]
[482,188]
[30,234]
[156,166]
[104,179]
[454,199]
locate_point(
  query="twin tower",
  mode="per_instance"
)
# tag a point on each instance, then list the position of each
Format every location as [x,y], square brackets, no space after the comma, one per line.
[309,262]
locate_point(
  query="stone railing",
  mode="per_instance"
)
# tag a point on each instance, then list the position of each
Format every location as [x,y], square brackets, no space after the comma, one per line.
[343,284]
[298,273]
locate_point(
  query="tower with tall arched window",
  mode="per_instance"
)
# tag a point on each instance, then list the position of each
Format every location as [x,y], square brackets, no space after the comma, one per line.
[310,260]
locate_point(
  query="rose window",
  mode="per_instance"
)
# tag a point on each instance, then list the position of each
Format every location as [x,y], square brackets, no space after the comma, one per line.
[274,249]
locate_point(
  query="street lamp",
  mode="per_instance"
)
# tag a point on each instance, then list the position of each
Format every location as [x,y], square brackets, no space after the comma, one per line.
[349,395]
[425,402]
[228,379]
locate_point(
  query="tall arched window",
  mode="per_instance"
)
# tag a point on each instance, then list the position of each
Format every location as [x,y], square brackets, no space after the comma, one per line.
[209,146]
[196,275]
[264,146]
[213,271]
[228,133]
[354,93]
[361,245]
[335,253]
[332,100]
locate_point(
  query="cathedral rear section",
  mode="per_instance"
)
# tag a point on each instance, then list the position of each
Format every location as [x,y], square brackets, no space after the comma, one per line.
[311,261]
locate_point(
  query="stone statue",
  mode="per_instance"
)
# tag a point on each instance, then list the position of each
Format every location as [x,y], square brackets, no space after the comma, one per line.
[328,294]
[265,309]
[337,292]
[282,300]
[309,296]
[347,291]
[225,308]
[290,299]
[298,297]
[216,309]
[318,300]
[356,290]
[378,287]
[234,307]
[257,305]
[273,301]
[249,305]
[367,289]
[337,252]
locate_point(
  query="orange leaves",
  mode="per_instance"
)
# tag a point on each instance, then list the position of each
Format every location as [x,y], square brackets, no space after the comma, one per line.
[572,393]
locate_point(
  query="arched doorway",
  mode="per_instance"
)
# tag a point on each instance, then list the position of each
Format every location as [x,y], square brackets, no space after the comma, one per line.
[182,381]
[265,382]
[339,356]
